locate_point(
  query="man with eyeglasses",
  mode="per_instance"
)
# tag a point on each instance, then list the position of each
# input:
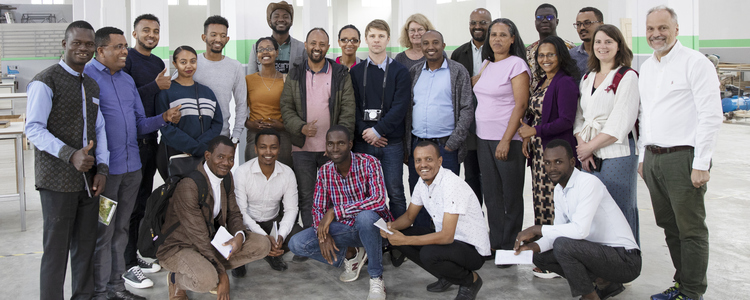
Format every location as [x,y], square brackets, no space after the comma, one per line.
[546,25]
[280,17]
[124,120]
[223,75]
[470,56]
[587,21]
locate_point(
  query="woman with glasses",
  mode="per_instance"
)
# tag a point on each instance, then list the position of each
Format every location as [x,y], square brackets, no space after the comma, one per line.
[349,38]
[550,115]
[411,38]
[502,91]
[263,99]
[605,121]
[201,116]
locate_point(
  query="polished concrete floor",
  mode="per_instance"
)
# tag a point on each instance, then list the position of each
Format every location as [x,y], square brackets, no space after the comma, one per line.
[727,204]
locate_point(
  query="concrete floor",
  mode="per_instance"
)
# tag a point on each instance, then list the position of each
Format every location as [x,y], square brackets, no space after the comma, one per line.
[726,203]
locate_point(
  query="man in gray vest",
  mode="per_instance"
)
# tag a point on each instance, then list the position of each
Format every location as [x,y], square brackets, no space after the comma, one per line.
[71,163]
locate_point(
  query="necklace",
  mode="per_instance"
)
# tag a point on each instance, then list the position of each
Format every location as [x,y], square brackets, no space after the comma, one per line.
[275,76]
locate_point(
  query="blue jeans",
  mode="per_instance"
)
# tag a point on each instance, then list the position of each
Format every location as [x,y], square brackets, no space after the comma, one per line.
[363,233]
[391,159]
[450,162]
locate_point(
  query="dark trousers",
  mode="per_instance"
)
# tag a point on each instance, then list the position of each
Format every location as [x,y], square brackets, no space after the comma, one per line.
[450,162]
[69,226]
[582,262]
[473,176]
[455,261]
[502,184]
[148,170]
[306,165]
[679,209]
[268,225]
[392,162]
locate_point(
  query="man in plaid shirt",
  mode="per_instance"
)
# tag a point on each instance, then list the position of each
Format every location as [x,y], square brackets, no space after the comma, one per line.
[349,199]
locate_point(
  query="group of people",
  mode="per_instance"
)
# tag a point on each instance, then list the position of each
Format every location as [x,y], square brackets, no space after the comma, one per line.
[326,140]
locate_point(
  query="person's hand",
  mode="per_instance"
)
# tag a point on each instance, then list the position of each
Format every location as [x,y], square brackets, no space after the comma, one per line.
[236,243]
[588,164]
[501,152]
[381,142]
[526,236]
[275,246]
[640,171]
[310,129]
[369,136]
[474,80]
[254,125]
[699,177]
[584,150]
[164,82]
[533,246]
[328,249]
[100,181]
[448,149]
[81,159]
[275,124]
[222,289]
[172,115]
[396,239]
[324,223]
[525,147]
[526,131]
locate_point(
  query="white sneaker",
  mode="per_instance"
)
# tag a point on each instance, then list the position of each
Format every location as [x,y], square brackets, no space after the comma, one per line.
[148,267]
[353,266]
[134,277]
[377,289]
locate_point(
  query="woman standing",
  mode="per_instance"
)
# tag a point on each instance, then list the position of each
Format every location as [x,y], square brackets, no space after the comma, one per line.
[201,116]
[551,113]
[605,121]
[349,39]
[411,38]
[502,91]
[263,99]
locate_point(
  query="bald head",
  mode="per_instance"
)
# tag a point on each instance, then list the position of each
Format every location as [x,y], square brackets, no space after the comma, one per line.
[479,22]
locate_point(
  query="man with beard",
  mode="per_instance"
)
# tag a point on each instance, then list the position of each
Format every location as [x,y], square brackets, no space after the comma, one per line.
[148,72]
[546,25]
[223,75]
[470,56]
[280,17]
[317,95]
[587,21]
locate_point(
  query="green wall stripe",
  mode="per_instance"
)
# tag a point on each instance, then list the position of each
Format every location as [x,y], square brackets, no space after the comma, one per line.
[733,43]
[640,43]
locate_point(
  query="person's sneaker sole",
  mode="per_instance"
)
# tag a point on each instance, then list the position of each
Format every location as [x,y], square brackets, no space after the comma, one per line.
[147,283]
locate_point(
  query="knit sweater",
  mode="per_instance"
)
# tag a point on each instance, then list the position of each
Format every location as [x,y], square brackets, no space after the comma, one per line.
[197,126]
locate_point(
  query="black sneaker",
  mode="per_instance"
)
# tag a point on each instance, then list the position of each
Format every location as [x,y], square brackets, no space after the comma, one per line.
[239,272]
[469,292]
[123,295]
[397,258]
[134,277]
[610,291]
[277,263]
[439,286]
[298,258]
[148,267]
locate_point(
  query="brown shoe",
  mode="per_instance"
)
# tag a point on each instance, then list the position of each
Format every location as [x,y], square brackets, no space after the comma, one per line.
[174,292]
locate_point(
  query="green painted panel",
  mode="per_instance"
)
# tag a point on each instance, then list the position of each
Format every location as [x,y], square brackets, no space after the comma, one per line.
[733,43]
[161,52]
[640,43]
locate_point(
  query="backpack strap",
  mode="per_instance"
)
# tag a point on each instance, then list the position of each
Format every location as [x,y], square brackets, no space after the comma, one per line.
[200,182]
[619,75]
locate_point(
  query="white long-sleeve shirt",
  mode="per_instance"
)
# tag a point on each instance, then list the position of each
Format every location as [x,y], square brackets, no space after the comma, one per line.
[584,210]
[260,198]
[680,103]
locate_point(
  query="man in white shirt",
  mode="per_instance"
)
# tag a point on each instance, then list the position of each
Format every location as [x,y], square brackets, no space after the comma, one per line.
[680,119]
[453,251]
[591,237]
[266,192]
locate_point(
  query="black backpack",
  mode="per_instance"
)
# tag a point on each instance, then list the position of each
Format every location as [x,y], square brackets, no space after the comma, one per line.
[151,234]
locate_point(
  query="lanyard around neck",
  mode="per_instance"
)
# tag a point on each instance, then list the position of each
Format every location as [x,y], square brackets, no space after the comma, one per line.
[364,85]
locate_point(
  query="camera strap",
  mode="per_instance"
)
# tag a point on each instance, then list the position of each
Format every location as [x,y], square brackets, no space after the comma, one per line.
[364,85]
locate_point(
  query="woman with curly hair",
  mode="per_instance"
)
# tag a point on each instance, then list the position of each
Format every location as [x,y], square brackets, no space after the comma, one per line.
[411,38]
[550,115]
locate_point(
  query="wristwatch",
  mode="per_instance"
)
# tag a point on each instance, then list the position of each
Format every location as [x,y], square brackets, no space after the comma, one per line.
[235,140]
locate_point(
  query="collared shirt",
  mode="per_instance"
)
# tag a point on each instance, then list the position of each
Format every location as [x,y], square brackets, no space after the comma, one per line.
[39,106]
[582,59]
[448,193]
[362,189]
[432,115]
[584,210]
[318,95]
[215,182]
[382,65]
[260,198]
[476,54]
[121,106]
[680,103]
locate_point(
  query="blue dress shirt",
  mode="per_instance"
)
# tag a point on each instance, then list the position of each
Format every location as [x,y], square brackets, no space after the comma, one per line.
[432,116]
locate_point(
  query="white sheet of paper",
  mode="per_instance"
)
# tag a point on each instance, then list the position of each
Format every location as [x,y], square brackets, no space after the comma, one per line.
[275,231]
[221,237]
[382,225]
[509,257]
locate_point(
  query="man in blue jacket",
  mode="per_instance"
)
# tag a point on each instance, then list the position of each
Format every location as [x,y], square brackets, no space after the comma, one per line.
[124,120]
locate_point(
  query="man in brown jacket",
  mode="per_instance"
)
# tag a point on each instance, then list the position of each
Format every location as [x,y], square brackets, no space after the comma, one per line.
[193,263]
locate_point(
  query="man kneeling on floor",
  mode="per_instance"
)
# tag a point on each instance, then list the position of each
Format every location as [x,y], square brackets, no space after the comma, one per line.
[349,199]
[194,263]
[591,240]
[453,251]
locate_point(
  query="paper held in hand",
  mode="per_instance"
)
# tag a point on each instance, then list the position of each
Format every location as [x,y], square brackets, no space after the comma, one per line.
[275,231]
[382,225]
[509,257]
[107,209]
[221,237]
